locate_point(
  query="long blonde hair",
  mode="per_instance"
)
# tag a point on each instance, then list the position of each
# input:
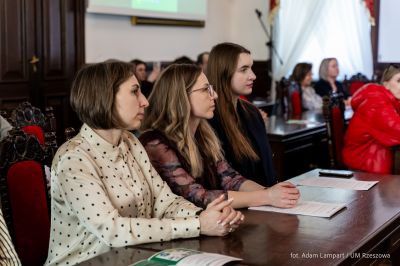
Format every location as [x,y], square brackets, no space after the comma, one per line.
[169,113]
[221,67]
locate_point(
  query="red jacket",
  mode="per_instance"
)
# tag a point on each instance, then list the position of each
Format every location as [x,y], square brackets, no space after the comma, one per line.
[373,129]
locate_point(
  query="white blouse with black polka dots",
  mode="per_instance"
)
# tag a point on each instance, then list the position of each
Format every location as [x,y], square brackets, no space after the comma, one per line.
[110,196]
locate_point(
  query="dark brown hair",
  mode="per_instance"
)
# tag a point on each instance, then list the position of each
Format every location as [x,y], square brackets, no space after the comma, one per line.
[222,63]
[93,93]
[300,71]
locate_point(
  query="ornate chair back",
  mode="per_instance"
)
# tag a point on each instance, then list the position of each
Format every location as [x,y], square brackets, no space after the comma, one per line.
[24,196]
[356,82]
[295,98]
[30,119]
[333,110]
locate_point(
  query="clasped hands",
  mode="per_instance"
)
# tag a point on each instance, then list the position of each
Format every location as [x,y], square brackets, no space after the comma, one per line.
[219,218]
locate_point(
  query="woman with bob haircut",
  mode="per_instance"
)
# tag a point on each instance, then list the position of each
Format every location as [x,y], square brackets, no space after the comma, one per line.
[302,76]
[238,123]
[185,150]
[104,191]
[375,125]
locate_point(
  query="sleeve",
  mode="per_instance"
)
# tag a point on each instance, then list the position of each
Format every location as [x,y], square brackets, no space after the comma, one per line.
[319,88]
[307,99]
[384,121]
[167,164]
[77,182]
[4,127]
[8,256]
[230,178]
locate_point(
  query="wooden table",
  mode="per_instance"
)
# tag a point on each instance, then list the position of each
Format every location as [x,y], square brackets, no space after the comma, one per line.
[369,224]
[299,147]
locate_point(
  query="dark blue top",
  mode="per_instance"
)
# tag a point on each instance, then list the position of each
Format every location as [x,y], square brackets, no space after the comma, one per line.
[253,128]
[323,88]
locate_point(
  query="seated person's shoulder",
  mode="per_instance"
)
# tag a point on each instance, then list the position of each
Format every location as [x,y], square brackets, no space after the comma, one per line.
[152,138]
[320,83]
[249,106]
[73,147]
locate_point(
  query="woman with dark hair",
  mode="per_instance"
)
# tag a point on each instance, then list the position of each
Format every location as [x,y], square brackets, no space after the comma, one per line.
[185,150]
[375,125]
[237,123]
[146,82]
[302,76]
[104,191]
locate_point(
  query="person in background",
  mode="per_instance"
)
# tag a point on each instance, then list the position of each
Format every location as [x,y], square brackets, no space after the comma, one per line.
[104,191]
[4,127]
[183,60]
[302,76]
[202,61]
[327,83]
[146,82]
[375,125]
[238,123]
[185,150]
[8,256]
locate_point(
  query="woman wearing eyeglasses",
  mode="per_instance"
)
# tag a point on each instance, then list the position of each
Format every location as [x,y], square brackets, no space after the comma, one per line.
[185,150]
[375,125]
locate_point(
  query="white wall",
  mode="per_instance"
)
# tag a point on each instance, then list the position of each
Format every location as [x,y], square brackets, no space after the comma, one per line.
[109,36]
[246,28]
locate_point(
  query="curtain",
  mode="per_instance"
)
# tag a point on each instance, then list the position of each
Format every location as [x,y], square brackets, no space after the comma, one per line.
[310,30]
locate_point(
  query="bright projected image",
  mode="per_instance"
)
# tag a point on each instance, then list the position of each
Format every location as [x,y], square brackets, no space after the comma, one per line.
[389,40]
[156,5]
[172,9]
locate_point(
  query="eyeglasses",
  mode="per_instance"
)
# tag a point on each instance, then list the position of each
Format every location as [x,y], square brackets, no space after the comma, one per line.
[209,88]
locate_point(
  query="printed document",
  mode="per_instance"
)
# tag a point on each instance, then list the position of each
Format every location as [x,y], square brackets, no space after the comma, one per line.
[185,257]
[309,208]
[333,182]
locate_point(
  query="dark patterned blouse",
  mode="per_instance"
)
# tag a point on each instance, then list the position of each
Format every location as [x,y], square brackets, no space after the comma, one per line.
[174,169]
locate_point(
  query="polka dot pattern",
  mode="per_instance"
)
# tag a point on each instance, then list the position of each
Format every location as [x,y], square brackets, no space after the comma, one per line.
[110,196]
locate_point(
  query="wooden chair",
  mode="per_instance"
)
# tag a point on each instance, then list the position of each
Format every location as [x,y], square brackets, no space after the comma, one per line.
[24,196]
[356,82]
[333,110]
[69,133]
[50,136]
[32,121]
[282,97]
[294,95]
[396,160]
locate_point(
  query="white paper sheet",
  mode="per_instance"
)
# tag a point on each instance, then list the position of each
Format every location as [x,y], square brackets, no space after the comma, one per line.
[333,182]
[302,122]
[310,208]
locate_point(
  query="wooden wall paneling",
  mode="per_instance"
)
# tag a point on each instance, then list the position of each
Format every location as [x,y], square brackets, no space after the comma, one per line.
[53,31]
[17,45]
